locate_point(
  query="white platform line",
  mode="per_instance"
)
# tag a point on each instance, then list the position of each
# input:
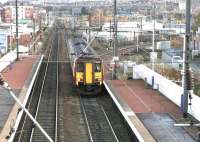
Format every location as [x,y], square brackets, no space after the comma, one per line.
[19,116]
[133,128]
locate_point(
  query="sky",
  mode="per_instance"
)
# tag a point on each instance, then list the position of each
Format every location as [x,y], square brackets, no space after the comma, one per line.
[3,1]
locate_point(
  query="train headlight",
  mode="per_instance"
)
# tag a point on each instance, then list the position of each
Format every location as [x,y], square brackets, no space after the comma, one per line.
[80,79]
[98,79]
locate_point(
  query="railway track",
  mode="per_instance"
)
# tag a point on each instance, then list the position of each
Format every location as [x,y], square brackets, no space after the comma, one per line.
[98,124]
[82,119]
[46,113]
[44,99]
[103,120]
[25,131]
[92,118]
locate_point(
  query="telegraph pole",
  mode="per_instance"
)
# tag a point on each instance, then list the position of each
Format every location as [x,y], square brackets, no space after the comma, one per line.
[17,40]
[186,71]
[115,45]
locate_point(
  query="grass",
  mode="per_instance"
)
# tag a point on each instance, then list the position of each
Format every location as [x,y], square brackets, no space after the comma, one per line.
[197,89]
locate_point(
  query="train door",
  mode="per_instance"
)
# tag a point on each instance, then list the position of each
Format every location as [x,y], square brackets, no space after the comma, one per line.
[88,73]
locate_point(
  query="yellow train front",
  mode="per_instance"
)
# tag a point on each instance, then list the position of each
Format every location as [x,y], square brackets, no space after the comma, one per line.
[87,68]
[88,75]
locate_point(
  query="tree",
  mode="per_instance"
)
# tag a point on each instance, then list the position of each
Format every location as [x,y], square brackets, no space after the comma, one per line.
[84,11]
[196,22]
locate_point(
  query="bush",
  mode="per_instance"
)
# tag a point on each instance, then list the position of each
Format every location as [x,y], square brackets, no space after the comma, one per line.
[168,72]
[197,89]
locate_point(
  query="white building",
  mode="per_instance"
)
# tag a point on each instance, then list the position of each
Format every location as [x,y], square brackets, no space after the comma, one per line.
[129,30]
[198,31]
[122,26]
[182,5]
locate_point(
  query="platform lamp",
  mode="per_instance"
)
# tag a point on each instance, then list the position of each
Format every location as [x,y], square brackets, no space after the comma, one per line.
[8,88]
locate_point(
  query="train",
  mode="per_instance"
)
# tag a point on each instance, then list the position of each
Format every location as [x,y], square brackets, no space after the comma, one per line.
[87,67]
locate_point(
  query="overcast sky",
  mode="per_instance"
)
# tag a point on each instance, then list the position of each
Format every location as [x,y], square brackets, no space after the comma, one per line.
[3,1]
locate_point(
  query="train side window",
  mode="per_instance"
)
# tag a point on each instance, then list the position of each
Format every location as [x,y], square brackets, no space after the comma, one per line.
[97,67]
[80,67]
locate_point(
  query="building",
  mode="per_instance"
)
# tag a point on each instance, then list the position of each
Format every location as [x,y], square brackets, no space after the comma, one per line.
[6,15]
[1,10]
[25,12]
[182,5]
[8,34]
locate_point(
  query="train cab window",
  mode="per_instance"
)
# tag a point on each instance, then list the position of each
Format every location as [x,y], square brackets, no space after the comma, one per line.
[97,67]
[80,67]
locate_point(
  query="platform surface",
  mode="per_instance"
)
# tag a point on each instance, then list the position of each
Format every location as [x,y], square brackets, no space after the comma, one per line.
[161,126]
[156,112]
[18,76]
[18,72]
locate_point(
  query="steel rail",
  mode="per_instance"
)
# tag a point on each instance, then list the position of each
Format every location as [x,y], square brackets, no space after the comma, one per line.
[110,124]
[99,110]
[43,82]
[26,111]
[57,92]
[29,104]
[86,119]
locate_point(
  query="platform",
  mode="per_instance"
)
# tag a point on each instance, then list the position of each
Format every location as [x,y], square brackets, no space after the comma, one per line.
[154,113]
[18,75]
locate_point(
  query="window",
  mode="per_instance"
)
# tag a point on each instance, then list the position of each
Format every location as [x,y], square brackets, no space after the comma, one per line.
[97,67]
[80,67]
[80,43]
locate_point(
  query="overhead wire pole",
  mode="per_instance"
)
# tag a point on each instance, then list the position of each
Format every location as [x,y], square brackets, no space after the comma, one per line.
[115,44]
[89,32]
[110,41]
[153,40]
[186,72]
[17,38]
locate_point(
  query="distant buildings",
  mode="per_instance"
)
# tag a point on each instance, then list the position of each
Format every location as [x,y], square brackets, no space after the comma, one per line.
[31,20]
[6,15]
[147,26]
[182,5]
[25,12]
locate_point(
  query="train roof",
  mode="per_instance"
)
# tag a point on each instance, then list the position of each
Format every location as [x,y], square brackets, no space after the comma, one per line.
[78,45]
[86,58]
